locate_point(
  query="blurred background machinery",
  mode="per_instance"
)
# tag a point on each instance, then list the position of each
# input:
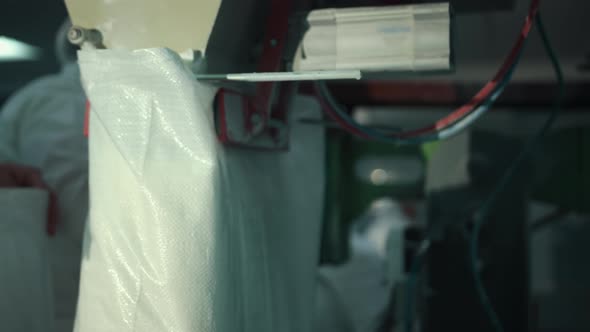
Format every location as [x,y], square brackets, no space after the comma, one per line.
[530,250]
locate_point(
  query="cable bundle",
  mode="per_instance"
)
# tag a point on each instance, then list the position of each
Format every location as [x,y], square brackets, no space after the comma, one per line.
[451,124]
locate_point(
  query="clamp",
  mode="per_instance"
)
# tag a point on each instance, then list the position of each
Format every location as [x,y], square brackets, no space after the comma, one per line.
[258,121]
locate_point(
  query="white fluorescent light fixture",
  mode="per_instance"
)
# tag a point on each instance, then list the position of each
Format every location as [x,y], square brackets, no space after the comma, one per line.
[14,50]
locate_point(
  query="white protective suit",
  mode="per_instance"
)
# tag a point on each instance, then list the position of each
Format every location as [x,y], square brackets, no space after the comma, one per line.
[42,126]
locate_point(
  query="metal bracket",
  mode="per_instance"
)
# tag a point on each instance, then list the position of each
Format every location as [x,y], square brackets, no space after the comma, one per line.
[255,121]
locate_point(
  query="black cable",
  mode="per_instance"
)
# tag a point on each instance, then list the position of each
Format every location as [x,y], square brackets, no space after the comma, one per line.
[482,216]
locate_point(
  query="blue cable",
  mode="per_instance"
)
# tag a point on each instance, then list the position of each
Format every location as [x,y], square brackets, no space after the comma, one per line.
[481,217]
[411,285]
[486,207]
[449,132]
[445,133]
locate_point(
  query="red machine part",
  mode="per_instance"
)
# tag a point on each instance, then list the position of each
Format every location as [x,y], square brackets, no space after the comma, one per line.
[255,112]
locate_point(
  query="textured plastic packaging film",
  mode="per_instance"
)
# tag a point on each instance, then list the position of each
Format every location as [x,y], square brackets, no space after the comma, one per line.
[185,234]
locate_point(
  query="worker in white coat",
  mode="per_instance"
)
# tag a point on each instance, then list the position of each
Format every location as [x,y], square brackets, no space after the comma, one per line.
[43,200]
[44,155]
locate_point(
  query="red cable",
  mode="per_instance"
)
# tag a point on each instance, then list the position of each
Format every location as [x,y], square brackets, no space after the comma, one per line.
[480,97]
[487,90]
[345,125]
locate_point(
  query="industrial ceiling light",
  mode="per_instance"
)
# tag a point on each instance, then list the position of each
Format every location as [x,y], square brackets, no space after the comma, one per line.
[14,50]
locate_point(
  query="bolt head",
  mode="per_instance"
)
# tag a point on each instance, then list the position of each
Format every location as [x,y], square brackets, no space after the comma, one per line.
[256,122]
[75,35]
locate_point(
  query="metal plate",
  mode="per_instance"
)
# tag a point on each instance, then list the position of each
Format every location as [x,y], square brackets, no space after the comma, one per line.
[133,24]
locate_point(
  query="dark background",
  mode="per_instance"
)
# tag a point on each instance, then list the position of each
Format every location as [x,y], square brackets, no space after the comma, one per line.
[34,22]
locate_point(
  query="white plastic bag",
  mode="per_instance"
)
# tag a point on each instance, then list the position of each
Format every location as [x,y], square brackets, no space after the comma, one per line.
[184,234]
